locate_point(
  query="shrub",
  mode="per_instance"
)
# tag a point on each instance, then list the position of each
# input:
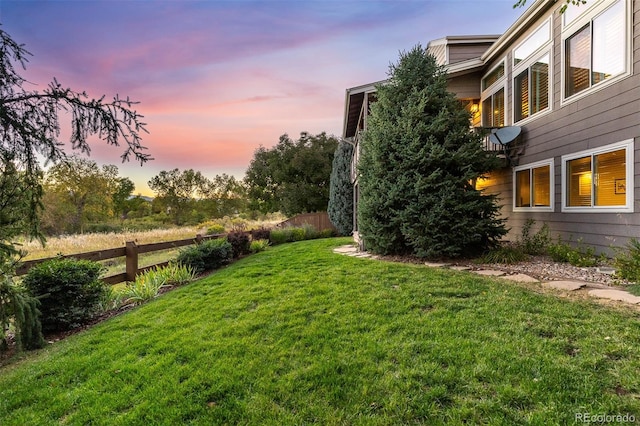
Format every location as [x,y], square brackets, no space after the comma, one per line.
[310,232]
[261,233]
[240,243]
[537,243]
[102,228]
[505,254]
[18,309]
[328,233]
[297,234]
[280,236]
[581,255]
[291,234]
[69,290]
[259,245]
[147,286]
[210,254]
[628,262]
[215,229]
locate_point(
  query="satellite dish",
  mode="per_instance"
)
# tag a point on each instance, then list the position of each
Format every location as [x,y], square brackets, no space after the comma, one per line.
[505,135]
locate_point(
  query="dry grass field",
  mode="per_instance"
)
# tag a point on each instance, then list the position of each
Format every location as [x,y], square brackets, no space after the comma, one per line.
[71,244]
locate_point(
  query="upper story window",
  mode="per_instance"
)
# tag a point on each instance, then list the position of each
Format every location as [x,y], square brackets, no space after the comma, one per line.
[496,74]
[531,89]
[595,48]
[493,109]
[599,179]
[531,81]
[535,41]
[572,12]
[493,97]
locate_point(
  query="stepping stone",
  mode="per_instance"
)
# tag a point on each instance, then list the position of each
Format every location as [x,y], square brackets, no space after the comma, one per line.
[436,264]
[345,249]
[490,273]
[565,285]
[521,278]
[460,268]
[622,296]
[363,255]
[606,270]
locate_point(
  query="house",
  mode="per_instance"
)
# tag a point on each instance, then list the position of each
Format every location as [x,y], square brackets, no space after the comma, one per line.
[570,83]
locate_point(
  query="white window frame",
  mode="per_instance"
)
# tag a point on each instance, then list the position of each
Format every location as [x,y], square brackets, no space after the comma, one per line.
[573,27]
[503,62]
[545,49]
[628,146]
[542,47]
[530,167]
[501,83]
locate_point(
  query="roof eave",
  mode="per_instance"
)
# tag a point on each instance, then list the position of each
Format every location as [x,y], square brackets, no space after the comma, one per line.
[464,67]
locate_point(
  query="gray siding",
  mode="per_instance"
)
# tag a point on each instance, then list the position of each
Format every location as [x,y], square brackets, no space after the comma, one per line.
[439,51]
[609,115]
[463,52]
[465,87]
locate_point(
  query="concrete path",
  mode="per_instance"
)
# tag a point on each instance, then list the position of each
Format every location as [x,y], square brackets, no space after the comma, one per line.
[597,290]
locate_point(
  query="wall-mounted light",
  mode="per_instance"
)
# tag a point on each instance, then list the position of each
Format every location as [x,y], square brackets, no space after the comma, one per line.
[474,109]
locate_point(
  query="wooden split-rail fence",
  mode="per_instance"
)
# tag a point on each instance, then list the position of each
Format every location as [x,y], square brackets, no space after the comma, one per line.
[131,251]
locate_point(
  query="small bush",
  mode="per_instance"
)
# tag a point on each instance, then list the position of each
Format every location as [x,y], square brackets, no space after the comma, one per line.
[102,228]
[328,233]
[505,254]
[291,234]
[297,234]
[259,245]
[210,254]
[147,286]
[240,243]
[215,229]
[143,289]
[261,233]
[627,262]
[581,255]
[537,243]
[310,232]
[69,290]
[280,236]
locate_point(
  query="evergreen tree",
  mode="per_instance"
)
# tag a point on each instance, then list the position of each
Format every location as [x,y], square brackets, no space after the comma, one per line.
[340,207]
[417,167]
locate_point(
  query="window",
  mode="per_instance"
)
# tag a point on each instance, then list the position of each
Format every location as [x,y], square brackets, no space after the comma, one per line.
[571,13]
[493,110]
[496,74]
[493,98]
[539,38]
[533,185]
[599,180]
[531,89]
[596,51]
[531,70]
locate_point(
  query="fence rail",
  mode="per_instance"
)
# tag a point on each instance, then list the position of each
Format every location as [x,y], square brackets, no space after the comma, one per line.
[130,251]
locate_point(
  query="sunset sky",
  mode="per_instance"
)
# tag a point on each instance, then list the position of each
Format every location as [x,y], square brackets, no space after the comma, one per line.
[217,79]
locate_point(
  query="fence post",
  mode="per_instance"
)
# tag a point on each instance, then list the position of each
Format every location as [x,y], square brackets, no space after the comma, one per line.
[132,260]
[198,238]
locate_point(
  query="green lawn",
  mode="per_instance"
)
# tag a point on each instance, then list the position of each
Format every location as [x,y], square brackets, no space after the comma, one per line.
[298,334]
